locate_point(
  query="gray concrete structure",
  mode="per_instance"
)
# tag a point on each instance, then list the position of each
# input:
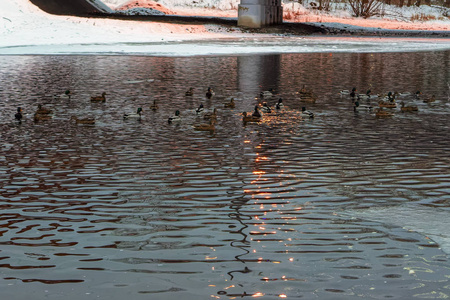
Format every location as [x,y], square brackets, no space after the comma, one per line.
[259,13]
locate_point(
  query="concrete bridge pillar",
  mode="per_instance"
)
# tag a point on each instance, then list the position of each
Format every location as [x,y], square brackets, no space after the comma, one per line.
[259,13]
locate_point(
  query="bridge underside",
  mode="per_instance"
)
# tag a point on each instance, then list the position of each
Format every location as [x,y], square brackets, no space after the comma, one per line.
[67,7]
[251,13]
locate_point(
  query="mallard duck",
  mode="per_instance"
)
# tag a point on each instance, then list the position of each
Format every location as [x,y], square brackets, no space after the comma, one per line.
[307,95]
[231,104]
[417,94]
[136,115]
[367,95]
[18,115]
[408,108]
[87,121]
[256,112]
[387,104]
[190,92]
[280,104]
[266,94]
[353,93]
[43,111]
[206,127]
[307,113]
[154,106]
[101,98]
[429,100]
[210,93]
[361,107]
[211,115]
[382,113]
[265,108]
[41,117]
[246,118]
[175,118]
[66,95]
[200,109]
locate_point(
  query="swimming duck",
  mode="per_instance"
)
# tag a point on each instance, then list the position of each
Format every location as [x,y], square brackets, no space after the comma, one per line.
[154,106]
[307,113]
[200,109]
[190,92]
[136,115]
[408,108]
[211,115]
[280,104]
[87,121]
[367,95]
[101,98]
[18,115]
[265,108]
[267,94]
[210,93]
[353,93]
[43,111]
[256,112]
[387,104]
[246,118]
[361,107]
[382,113]
[307,95]
[429,100]
[41,117]
[206,127]
[66,95]
[231,104]
[344,92]
[175,118]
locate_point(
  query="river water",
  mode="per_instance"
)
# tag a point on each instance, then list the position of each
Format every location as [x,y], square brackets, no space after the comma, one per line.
[342,206]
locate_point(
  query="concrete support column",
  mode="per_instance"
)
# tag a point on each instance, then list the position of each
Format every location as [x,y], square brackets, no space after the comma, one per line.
[259,13]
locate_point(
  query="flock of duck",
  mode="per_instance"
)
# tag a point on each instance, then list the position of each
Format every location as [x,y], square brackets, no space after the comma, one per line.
[361,102]
[388,101]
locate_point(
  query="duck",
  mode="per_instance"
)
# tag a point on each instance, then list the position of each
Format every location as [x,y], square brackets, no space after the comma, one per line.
[344,92]
[206,127]
[210,93]
[175,118]
[247,118]
[87,121]
[365,96]
[307,95]
[407,108]
[154,106]
[280,104]
[417,94]
[43,111]
[431,99]
[101,98]
[256,112]
[307,113]
[66,95]
[382,113]
[41,117]
[266,94]
[387,104]
[200,109]
[18,116]
[353,93]
[231,104]
[265,108]
[136,115]
[361,107]
[190,92]
[403,94]
[211,115]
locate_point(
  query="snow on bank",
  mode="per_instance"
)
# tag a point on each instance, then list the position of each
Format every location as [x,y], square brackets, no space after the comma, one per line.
[23,24]
[27,30]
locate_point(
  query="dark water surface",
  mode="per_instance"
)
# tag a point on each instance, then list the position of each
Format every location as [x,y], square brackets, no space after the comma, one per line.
[148,210]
